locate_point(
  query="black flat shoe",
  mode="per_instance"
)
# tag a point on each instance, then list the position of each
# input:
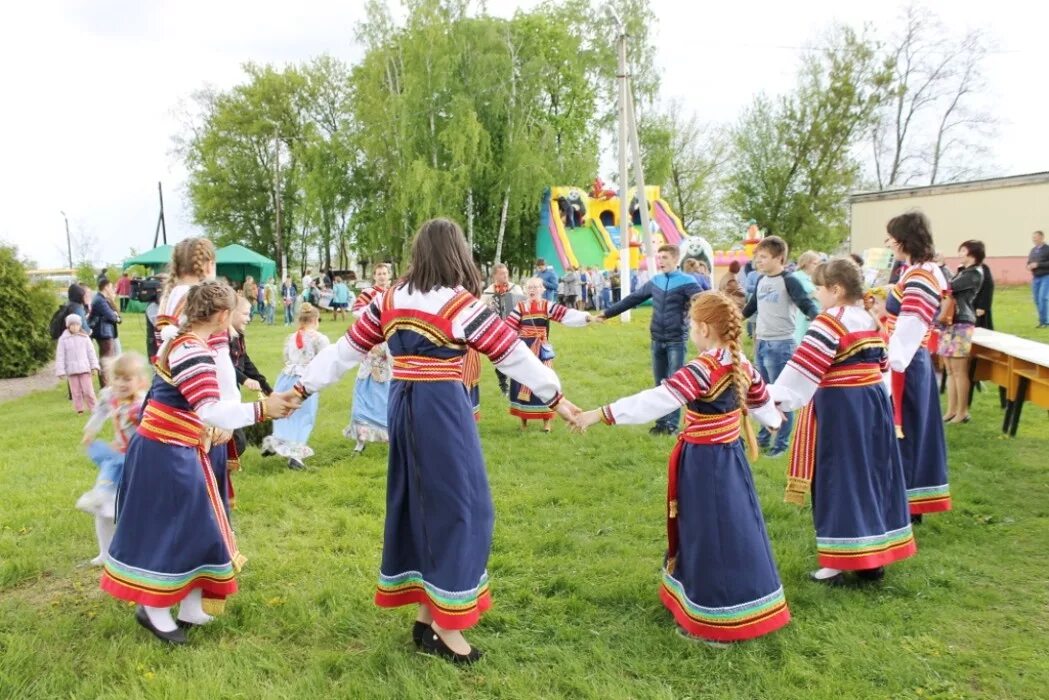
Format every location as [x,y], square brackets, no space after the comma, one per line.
[418,630]
[433,644]
[871,574]
[948,419]
[916,519]
[185,624]
[175,637]
[295,464]
[834,581]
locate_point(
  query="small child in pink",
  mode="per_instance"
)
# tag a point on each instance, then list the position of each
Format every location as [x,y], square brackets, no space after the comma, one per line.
[77,361]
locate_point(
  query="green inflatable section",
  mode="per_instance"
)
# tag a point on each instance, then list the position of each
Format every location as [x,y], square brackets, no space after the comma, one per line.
[588,246]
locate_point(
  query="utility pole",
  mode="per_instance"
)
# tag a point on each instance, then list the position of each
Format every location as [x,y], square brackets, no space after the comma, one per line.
[624,213]
[69,244]
[162,226]
[276,190]
[639,182]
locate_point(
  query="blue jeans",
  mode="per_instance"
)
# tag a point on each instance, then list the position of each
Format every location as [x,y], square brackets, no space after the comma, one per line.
[289,314]
[667,358]
[772,356]
[1040,289]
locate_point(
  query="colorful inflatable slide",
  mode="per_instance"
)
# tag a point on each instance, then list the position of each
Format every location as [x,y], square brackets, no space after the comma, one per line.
[578,230]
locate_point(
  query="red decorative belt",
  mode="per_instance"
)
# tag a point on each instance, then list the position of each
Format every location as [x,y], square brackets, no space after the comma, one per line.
[420,368]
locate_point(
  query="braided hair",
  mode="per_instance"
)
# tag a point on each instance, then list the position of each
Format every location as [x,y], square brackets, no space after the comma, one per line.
[191,258]
[203,301]
[721,313]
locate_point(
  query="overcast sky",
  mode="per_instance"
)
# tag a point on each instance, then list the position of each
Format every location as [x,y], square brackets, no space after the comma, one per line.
[91,88]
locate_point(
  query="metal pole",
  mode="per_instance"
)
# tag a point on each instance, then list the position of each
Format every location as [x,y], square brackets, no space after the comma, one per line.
[276,188]
[639,183]
[163,224]
[69,244]
[624,213]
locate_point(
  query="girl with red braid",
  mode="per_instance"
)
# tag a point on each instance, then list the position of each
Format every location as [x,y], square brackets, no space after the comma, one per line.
[439,514]
[719,579]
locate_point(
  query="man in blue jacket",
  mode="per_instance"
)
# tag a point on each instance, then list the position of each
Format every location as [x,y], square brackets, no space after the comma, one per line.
[549,277]
[671,293]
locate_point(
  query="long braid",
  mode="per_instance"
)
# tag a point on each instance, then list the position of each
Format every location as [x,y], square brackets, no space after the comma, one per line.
[723,315]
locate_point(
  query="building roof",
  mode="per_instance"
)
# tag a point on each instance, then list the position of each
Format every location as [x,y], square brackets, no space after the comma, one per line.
[950,187]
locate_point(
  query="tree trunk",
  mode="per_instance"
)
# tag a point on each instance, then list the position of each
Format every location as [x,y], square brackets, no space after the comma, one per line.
[502,227]
[470,217]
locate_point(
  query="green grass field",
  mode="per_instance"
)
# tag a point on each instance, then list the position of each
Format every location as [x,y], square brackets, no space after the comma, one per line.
[575,567]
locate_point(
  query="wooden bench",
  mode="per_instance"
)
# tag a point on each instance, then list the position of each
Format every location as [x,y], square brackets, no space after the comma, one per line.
[1017,365]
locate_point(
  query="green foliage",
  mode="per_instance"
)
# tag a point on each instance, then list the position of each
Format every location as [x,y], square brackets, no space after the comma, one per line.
[86,273]
[794,168]
[579,535]
[25,310]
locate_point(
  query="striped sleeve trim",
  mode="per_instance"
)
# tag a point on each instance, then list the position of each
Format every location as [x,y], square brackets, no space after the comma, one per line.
[689,382]
[364,298]
[193,373]
[921,295]
[817,350]
[486,332]
[606,415]
[366,332]
[514,319]
[758,394]
[552,403]
[557,312]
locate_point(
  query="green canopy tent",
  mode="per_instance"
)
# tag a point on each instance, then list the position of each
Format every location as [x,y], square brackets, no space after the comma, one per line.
[235,262]
[156,259]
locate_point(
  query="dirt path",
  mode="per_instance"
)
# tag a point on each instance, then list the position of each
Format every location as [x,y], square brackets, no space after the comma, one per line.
[16,388]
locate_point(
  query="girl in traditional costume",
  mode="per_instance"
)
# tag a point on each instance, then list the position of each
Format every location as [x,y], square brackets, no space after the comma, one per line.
[912,306]
[719,579]
[371,392]
[173,542]
[531,319]
[439,513]
[291,435]
[845,449]
[193,261]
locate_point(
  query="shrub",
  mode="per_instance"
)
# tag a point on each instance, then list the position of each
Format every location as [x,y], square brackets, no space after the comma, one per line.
[25,310]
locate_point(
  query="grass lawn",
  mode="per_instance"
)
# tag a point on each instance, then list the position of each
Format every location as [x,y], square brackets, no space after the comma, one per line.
[575,567]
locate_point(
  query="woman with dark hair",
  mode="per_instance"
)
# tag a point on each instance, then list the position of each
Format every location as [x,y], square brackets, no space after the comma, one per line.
[439,514]
[104,320]
[911,307]
[956,338]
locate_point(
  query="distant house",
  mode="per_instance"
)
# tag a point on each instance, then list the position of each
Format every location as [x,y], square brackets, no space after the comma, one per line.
[1002,212]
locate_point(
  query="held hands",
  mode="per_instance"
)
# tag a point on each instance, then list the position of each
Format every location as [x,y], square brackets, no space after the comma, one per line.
[88,438]
[567,410]
[595,318]
[283,404]
[252,385]
[585,419]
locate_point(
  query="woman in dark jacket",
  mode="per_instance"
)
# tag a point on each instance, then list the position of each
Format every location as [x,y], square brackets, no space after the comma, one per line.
[104,320]
[957,338]
[984,301]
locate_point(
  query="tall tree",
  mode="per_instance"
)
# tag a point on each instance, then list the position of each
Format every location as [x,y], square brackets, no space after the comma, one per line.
[794,167]
[932,111]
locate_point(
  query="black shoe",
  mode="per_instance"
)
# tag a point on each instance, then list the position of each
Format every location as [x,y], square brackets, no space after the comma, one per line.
[433,644]
[834,581]
[175,637]
[186,624]
[418,630]
[872,574]
[267,453]
[916,519]
[295,464]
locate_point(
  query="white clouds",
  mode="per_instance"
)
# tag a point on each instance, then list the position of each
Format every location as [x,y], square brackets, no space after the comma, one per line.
[90,87]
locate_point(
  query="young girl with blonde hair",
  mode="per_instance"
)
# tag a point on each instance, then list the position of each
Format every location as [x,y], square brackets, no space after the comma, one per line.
[291,435]
[719,578]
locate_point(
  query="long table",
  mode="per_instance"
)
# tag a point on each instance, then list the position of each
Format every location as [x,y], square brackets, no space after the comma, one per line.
[1018,365]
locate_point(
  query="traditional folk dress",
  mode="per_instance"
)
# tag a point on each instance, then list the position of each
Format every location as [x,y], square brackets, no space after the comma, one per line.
[531,319]
[719,579]
[173,532]
[109,457]
[911,306]
[291,435]
[224,456]
[845,445]
[439,513]
[371,392]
